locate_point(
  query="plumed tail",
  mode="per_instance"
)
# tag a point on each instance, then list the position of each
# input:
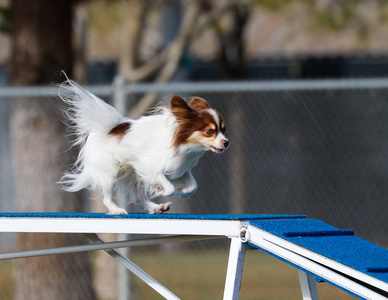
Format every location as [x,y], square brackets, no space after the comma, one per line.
[78,177]
[86,113]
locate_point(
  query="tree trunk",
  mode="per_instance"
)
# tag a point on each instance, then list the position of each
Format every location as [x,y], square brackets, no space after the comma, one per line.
[41,48]
[232,60]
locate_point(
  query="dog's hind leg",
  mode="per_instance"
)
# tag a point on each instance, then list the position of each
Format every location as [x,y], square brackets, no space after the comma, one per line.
[112,207]
[106,186]
[103,169]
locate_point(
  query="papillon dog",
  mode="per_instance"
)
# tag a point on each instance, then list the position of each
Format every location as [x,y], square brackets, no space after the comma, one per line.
[144,158]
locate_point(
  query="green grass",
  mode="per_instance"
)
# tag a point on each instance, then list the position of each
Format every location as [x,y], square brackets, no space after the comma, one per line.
[201,275]
[6,280]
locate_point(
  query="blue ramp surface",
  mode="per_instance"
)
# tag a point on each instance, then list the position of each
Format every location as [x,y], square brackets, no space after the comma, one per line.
[148,216]
[337,244]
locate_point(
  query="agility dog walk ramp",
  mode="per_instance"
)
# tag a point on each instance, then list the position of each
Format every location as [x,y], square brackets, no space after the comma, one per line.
[319,251]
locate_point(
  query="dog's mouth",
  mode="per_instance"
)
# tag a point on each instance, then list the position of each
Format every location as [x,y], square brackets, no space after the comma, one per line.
[217,150]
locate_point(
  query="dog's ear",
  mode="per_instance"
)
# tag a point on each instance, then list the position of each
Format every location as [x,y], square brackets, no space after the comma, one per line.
[198,103]
[177,102]
[180,109]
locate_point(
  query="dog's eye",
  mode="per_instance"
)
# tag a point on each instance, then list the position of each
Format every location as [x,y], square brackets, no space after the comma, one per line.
[209,131]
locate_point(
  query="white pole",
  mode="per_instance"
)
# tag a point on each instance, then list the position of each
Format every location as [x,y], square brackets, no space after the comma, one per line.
[235,269]
[124,280]
[307,284]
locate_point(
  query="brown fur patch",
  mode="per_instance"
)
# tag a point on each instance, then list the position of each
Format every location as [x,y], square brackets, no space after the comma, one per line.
[120,130]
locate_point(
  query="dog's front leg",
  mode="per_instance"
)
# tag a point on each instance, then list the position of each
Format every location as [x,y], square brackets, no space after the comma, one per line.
[152,207]
[185,185]
[164,188]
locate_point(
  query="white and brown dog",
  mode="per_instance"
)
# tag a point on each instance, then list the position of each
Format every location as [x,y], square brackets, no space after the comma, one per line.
[145,158]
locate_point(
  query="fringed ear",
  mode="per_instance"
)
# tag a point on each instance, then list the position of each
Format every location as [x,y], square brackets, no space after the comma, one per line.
[178,102]
[198,103]
[180,109]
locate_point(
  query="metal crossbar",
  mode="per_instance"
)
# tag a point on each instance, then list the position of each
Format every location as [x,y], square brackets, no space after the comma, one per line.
[104,246]
[214,87]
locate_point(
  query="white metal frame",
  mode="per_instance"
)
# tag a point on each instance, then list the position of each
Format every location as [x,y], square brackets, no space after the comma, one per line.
[242,236]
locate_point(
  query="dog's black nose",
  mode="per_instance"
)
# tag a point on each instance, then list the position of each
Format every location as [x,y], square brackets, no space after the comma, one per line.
[225,143]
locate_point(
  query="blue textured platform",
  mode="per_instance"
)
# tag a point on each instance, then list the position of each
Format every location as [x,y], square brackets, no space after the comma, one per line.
[147,216]
[337,244]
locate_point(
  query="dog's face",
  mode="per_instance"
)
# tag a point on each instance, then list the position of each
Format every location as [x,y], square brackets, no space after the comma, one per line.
[198,124]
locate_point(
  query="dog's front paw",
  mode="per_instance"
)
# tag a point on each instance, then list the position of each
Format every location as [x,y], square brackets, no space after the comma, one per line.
[161,208]
[117,211]
[158,208]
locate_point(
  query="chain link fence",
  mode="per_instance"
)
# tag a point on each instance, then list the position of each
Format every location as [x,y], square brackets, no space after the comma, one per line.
[317,148]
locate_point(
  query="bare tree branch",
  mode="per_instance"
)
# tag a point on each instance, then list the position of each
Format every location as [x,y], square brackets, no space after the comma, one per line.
[129,66]
[147,69]
[216,13]
[174,56]
[140,25]
[168,60]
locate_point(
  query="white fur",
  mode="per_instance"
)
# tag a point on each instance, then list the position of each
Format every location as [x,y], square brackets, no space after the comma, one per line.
[142,165]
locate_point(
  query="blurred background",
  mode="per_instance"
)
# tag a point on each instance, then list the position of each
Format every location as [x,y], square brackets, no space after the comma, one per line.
[302,85]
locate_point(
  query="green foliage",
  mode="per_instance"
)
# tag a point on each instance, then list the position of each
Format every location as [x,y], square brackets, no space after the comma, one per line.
[334,15]
[273,5]
[5,20]
[383,12]
[339,16]
[105,15]
[335,18]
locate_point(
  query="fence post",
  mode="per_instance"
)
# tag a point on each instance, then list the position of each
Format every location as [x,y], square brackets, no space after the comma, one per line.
[119,96]
[124,279]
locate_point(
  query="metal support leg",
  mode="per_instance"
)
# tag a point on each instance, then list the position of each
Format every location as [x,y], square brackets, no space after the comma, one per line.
[307,284]
[135,269]
[235,269]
